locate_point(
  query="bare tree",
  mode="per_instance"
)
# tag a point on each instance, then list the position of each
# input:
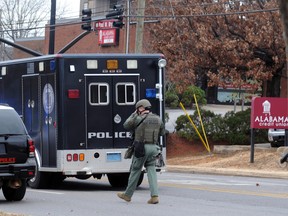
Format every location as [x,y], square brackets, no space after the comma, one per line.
[21,19]
[25,18]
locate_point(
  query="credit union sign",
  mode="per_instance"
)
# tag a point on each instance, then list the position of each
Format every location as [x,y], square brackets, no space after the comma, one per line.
[267,112]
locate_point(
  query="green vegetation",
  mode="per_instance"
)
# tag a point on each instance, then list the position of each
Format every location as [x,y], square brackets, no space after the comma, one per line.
[232,128]
[173,98]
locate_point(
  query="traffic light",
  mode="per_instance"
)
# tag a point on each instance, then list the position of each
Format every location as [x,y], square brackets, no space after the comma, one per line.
[117,13]
[86,19]
[119,23]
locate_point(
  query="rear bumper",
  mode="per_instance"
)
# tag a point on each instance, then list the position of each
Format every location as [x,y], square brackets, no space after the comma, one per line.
[21,171]
[276,135]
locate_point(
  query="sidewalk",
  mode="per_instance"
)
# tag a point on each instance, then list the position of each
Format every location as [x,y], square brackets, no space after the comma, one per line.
[281,173]
[228,171]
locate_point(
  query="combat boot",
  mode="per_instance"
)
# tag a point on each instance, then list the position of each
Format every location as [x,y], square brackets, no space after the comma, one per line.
[153,200]
[124,197]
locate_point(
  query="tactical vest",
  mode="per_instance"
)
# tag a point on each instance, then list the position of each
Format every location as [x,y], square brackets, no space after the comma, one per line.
[148,130]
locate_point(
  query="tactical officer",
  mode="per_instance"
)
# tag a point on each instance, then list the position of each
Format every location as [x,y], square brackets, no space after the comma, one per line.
[147,127]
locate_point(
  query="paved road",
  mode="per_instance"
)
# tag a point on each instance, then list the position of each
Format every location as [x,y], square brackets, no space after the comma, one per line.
[180,194]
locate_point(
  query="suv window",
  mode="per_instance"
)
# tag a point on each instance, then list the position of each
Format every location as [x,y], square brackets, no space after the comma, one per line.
[13,123]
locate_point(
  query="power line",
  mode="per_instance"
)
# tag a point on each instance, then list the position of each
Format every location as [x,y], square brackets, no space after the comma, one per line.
[211,14]
[173,16]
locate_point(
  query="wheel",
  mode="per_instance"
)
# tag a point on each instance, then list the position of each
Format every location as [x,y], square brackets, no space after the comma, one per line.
[56,179]
[83,177]
[276,144]
[118,179]
[121,179]
[40,180]
[12,194]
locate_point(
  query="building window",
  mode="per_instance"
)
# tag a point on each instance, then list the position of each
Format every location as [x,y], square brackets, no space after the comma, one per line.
[85,5]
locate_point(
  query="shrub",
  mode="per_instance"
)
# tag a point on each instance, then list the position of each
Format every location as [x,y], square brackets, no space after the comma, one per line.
[188,96]
[185,129]
[171,99]
[232,128]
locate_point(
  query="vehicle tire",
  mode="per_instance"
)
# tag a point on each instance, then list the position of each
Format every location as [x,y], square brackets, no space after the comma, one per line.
[83,177]
[121,179]
[12,194]
[118,179]
[40,180]
[56,179]
[276,144]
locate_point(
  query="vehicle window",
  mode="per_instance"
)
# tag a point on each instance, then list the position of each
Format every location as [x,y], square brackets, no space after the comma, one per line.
[98,94]
[10,122]
[125,93]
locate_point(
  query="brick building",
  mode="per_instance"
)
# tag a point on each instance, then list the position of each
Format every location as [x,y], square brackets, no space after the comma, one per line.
[68,29]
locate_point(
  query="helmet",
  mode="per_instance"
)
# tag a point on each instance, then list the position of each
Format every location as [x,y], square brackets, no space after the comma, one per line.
[144,102]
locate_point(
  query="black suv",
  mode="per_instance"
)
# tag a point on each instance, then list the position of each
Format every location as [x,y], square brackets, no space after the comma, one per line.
[17,155]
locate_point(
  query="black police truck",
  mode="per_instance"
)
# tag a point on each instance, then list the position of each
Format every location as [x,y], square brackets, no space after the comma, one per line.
[74,106]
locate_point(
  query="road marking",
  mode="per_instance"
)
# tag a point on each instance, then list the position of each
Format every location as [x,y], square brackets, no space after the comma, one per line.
[47,192]
[231,191]
[204,182]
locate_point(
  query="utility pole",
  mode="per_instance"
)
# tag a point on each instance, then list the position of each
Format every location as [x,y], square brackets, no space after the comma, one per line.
[140,26]
[284,16]
[127,27]
[2,47]
[52,27]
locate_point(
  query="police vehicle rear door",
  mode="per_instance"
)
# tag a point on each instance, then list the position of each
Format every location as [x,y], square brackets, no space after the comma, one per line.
[110,99]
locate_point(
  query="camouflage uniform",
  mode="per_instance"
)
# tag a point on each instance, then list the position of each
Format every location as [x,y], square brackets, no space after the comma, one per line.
[148,131]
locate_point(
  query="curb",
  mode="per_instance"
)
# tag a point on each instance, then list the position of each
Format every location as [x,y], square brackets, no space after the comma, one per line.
[227,171]
[220,149]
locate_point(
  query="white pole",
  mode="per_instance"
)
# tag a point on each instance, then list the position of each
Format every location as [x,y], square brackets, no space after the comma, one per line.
[161,100]
[128,27]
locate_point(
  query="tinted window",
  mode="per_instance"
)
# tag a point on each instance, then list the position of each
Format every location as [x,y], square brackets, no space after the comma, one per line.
[125,93]
[98,94]
[10,122]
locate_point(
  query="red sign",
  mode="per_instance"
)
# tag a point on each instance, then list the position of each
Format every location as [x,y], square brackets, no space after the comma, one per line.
[104,24]
[107,37]
[269,112]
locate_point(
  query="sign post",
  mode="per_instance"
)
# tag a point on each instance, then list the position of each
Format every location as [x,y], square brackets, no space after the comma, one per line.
[268,113]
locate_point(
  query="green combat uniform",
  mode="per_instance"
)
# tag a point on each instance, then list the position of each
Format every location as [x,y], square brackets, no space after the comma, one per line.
[148,131]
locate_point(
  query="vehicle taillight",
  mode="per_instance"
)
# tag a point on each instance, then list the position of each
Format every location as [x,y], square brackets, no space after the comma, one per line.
[31,148]
[69,157]
[73,93]
[81,157]
[75,157]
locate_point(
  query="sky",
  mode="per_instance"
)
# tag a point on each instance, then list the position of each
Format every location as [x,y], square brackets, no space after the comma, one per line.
[72,7]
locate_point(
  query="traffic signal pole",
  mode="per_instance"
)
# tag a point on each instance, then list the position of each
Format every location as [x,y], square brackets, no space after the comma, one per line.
[140,27]
[20,47]
[74,41]
[52,27]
